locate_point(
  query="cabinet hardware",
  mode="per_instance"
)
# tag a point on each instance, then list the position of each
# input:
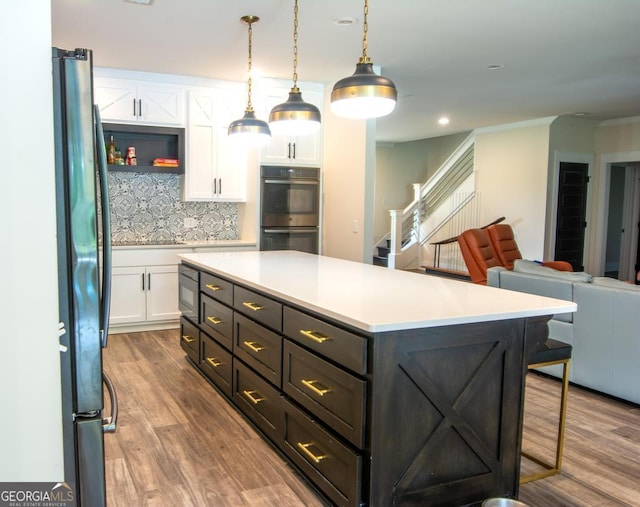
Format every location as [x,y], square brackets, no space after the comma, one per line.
[213,362]
[142,281]
[315,335]
[149,281]
[289,151]
[253,306]
[220,185]
[215,320]
[212,287]
[255,346]
[252,396]
[134,107]
[215,186]
[188,338]
[139,108]
[317,390]
[305,449]
[294,151]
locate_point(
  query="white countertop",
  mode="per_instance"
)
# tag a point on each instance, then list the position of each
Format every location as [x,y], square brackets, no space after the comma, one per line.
[372,298]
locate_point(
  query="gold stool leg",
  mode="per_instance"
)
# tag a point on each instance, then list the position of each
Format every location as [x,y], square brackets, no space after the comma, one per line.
[552,469]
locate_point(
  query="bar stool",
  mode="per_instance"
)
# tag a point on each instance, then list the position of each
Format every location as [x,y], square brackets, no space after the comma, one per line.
[551,353]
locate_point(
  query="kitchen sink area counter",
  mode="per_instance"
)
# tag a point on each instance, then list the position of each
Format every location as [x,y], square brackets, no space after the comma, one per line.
[382,387]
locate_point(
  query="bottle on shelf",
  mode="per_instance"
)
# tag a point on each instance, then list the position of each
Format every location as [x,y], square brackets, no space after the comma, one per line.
[111,151]
[131,156]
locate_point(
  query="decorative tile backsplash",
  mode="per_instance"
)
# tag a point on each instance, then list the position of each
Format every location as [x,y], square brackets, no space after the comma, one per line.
[146,207]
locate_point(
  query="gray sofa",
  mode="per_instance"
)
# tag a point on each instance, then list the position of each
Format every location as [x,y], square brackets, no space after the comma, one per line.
[604,331]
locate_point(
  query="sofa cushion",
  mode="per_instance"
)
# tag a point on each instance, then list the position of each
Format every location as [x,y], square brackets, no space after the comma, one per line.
[605,281]
[533,268]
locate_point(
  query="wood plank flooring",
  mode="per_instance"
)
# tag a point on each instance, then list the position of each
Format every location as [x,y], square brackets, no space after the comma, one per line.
[179,443]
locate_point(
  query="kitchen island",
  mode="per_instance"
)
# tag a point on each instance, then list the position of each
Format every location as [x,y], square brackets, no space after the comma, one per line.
[382,387]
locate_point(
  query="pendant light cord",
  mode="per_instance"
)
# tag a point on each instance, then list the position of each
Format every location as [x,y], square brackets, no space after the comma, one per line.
[295,46]
[365,43]
[249,80]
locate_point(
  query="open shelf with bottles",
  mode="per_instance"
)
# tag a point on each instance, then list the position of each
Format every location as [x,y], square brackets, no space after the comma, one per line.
[150,143]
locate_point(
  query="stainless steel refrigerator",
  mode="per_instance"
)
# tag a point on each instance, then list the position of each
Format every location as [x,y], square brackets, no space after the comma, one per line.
[84,284]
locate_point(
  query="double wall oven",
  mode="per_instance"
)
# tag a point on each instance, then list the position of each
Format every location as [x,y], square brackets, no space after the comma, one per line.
[290,208]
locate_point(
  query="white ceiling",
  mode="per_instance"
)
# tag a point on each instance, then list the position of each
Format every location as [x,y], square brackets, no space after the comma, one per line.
[559,56]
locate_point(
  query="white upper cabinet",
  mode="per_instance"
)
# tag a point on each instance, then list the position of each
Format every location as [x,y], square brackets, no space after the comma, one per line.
[129,100]
[216,170]
[292,150]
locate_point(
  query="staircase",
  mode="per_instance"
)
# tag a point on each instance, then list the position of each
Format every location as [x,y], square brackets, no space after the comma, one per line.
[448,197]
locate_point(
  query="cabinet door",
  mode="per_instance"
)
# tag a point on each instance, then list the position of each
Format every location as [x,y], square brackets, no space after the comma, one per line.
[129,100]
[116,99]
[216,168]
[162,293]
[162,104]
[293,150]
[231,159]
[201,144]
[128,298]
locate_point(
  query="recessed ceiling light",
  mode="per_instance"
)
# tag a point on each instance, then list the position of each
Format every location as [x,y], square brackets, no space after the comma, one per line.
[443,120]
[495,66]
[346,21]
[139,2]
[581,114]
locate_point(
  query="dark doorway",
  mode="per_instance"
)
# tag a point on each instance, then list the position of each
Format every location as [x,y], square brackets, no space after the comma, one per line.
[572,208]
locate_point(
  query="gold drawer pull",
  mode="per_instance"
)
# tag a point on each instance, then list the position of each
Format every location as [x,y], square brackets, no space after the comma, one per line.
[214,320]
[212,287]
[253,306]
[213,362]
[315,336]
[255,346]
[305,449]
[188,339]
[252,396]
[310,385]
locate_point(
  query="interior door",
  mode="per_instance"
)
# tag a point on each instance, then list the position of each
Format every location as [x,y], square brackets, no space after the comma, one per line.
[571,214]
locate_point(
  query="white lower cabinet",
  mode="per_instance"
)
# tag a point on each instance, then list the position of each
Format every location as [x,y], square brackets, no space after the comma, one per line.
[144,294]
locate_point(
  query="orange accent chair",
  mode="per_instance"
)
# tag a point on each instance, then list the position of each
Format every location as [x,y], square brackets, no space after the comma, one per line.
[506,248]
[494,246]
[478,254]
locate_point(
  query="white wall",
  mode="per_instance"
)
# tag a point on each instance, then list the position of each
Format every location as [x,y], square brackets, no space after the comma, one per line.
[346,181]
[511,163]
[31,428]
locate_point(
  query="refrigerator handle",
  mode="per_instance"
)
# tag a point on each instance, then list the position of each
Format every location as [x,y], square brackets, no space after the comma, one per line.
[105,299]
[109,424]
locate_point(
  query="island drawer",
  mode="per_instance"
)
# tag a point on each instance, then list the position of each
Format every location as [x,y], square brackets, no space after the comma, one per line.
[217,320]
[217,288]
[343,347]
[189,339]
[216,364]
[334,395]
[259,401]
[329,464]
[258,307]
[258,347]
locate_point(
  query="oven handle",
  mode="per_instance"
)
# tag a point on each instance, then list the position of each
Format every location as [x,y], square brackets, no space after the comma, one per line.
[290,230]
[293,182]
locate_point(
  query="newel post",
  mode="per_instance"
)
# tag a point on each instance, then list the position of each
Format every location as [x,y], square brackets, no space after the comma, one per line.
[395,248]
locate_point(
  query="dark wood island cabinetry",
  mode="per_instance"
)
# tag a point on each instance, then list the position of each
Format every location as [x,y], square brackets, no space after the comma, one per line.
[373,409]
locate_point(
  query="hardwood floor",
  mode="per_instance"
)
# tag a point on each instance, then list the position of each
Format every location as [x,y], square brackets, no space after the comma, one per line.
[179,443]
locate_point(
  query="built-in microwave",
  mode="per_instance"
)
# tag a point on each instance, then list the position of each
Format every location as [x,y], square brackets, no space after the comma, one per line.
[188,290]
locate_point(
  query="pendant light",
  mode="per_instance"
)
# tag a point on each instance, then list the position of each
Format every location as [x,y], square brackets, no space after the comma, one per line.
[295,116]
[249,130]
[364,94]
